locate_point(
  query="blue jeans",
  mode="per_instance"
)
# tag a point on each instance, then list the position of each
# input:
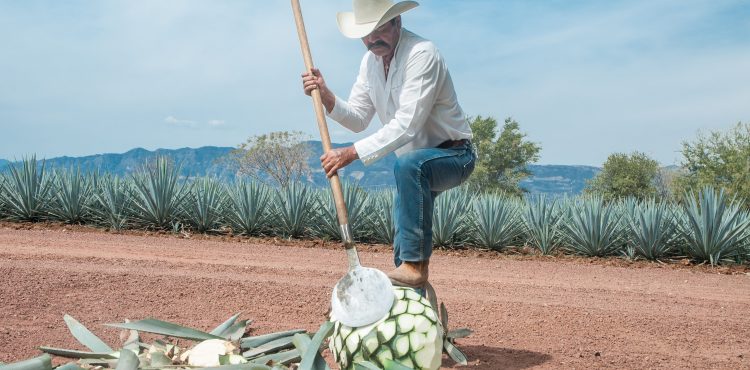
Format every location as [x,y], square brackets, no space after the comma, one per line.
[421,175]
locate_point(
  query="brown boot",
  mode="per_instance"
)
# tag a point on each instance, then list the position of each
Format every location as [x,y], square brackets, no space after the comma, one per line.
[410,274]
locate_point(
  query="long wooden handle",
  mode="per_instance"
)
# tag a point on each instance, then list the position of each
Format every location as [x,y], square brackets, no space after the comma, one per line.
[338,194]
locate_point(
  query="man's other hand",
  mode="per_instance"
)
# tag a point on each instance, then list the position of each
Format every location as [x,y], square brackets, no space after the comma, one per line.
[315,81]
[335,159]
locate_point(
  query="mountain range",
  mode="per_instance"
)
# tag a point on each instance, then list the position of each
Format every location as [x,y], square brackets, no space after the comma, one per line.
[214,161]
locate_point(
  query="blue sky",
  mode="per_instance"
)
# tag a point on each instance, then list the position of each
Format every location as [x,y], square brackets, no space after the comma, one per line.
[583,78]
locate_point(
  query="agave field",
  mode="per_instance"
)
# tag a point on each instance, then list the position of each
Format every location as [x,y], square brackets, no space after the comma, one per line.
[709,227]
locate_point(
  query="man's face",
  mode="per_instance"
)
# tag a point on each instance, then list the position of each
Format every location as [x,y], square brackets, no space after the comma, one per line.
[382,41]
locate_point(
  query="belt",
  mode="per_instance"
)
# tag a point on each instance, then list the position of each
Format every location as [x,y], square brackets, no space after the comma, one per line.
[453,143]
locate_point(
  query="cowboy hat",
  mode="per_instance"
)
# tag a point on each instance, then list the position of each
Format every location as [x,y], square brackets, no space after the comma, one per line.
[369,15]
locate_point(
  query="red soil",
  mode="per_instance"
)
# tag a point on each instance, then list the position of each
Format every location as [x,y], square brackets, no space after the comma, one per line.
[525,312]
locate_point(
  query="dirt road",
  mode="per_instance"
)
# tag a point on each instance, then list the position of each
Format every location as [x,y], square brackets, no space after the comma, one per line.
[537,313]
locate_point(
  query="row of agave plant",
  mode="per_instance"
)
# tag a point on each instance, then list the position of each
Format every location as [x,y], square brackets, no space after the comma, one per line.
[708,226]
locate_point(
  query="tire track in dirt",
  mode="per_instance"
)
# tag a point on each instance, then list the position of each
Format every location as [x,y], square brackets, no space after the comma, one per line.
[525,313]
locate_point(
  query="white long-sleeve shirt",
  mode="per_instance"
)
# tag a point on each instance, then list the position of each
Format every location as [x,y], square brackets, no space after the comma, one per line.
[417,103]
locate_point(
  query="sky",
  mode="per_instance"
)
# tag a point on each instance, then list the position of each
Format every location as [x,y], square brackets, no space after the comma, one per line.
[584,79]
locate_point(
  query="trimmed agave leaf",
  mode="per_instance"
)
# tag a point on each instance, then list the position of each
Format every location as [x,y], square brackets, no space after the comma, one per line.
[259,340]
[283,358]
[247,210]
[128,361]
[457,356]
[157,193]
[716,228]
[270,347]
[365,365]
[237,330]
[225,325]
[26,194]
[355,200]
[43,362]
[166,328]
[204,204]
[131,340]
[302,343]
[247,366]
[497,221]
[69,366]
[159,359]
[459,333]
[313,351]
[293,209]
[85,336]
[71,353]
[451,222]
[393,365]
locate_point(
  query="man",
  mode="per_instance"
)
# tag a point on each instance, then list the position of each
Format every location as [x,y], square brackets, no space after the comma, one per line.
[404,80]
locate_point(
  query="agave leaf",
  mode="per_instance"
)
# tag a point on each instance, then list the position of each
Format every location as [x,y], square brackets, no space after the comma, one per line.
[86,337]
[128,361]
[270,347]
[312,354]
[459,333]
[159,359]
[235,332]
[71,353]
[444,316]
[247,366]
[166,328]
[225,325]
[259,340]
[302,343]
[365,365]
[393,365]
[455,353]
[111,363]
[43,362]
[69,366]
[131,340]
[284,358]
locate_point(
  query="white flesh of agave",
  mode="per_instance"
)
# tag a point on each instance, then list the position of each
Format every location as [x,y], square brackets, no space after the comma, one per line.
[206,353]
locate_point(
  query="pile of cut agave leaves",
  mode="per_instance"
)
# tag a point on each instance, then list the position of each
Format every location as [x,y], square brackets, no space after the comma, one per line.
[223,348]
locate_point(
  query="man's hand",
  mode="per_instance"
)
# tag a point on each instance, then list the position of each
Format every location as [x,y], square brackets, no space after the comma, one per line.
[338,158]
[314,81]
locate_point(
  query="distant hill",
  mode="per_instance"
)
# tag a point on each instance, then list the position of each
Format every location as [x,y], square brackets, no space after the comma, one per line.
[211,161]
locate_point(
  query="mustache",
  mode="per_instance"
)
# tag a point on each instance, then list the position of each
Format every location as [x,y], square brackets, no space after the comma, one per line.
[377,43]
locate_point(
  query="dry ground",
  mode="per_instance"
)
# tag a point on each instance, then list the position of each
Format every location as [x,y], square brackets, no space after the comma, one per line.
[526,312]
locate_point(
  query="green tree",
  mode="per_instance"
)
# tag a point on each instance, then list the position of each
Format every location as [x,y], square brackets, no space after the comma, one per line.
[626,175]
[503,158]
[280,157]
[719,159]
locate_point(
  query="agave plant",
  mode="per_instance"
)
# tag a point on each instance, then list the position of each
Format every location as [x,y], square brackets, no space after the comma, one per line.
[382,222]
[716,227]
[247,210]
[293,209]
[158,194]
[497,221]
[542,219]
[72,191]
[451,219]
[592,228]
[356,201]
[26,195]
[204,204]
[652,229]
[112,202]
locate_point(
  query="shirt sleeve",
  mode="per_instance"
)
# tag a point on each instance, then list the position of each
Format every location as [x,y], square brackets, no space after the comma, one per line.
[357,112]
[416,99]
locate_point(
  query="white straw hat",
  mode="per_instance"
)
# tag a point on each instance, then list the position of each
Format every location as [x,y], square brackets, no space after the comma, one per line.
[369,15]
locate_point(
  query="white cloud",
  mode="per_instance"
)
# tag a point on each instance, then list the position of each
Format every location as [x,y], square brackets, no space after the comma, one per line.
[216,123]
[180,122]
